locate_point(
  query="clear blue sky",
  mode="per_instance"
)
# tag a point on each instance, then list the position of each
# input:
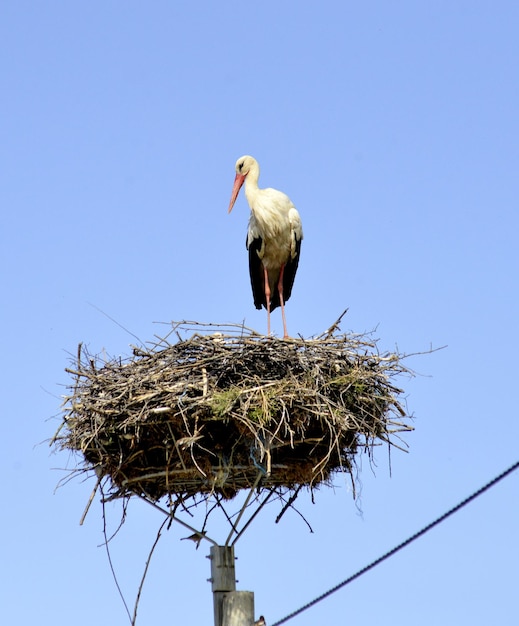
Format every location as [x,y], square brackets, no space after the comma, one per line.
[394,128]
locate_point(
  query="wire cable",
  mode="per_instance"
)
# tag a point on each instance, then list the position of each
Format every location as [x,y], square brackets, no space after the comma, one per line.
[405,543]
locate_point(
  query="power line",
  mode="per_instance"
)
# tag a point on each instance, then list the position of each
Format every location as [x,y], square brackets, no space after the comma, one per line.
[405,543]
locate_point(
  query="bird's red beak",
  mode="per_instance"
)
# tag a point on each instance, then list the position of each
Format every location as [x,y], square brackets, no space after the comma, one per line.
[238,182]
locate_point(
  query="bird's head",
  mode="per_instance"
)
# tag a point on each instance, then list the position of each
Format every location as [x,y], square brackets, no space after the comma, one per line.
[243,166]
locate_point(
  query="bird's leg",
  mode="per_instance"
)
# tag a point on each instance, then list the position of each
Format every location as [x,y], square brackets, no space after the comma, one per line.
[282,302]
[267,297]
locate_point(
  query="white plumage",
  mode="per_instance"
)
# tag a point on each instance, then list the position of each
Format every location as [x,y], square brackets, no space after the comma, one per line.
[273,239]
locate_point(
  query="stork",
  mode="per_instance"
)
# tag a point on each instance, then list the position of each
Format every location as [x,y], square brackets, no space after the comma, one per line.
[273,239]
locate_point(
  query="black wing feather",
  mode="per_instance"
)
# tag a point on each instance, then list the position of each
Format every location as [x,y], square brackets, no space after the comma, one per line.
[289,274]
[257,275]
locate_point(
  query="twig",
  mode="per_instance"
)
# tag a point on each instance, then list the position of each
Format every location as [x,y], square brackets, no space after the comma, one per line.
[115,322]
[90,500]
[289,504]
[106,542]
[327,334]
[148,561]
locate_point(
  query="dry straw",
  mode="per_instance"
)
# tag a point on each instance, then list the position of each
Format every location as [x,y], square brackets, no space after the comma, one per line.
[228,409]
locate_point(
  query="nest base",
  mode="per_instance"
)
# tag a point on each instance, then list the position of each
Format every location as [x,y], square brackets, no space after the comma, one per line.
[229,410]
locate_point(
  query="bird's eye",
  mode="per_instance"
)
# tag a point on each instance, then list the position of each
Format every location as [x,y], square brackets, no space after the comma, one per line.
[240,166]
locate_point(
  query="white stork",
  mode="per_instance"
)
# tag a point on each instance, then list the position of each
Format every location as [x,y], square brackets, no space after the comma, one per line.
[273,239]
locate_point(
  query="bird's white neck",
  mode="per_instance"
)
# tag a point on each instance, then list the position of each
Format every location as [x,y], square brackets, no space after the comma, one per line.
[251,183]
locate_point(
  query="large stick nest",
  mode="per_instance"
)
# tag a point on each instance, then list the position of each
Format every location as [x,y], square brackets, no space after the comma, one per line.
[219,412]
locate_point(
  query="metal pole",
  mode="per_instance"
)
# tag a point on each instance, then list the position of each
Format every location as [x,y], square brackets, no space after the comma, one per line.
[238,608]
[223,578]
[231,607]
